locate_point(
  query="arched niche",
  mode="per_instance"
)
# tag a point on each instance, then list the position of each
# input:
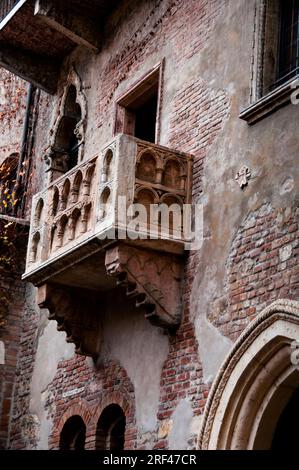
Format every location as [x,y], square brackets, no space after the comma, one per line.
[65,194]
[107,166]
[74,224]
[55,201]
[35,246]
[105,202]
[38,212]
[61,238]
[146,197]
[110,433]
[255,383]
[72,436]
[76,187]
[147,166]
[173,174]
[173,217]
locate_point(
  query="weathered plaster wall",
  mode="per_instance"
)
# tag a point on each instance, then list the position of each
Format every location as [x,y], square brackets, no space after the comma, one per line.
[207,47]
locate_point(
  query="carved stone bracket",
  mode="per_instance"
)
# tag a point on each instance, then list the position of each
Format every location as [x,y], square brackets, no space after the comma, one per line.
[152,279]
[77,313]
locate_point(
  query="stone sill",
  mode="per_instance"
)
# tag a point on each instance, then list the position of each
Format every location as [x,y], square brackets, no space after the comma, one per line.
[269,103]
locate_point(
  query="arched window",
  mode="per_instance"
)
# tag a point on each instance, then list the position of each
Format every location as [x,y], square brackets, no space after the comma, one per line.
[8,177]
[73,434]
[66,141]
[67,135]
[111,429]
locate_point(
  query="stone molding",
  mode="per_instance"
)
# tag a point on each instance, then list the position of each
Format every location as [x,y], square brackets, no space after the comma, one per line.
[286,310]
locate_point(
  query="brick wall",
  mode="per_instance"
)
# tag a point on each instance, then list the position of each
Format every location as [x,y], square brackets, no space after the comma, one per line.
[96,389]
[263,266]
[197,117]
[10,335]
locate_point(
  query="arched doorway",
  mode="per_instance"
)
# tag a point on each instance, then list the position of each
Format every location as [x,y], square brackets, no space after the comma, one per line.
[111,429]
[73,434]
[250,400]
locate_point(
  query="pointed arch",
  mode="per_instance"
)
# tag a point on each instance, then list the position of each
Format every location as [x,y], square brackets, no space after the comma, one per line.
[254,384]
[67,135]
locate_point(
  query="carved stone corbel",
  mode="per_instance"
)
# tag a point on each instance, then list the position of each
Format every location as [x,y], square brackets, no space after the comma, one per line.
[152,279]
[77,313]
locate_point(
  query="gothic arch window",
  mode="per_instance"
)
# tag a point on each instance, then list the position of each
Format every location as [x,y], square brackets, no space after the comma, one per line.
[67,142]
[73,434]
[8,177]
[111,429]
[67,134]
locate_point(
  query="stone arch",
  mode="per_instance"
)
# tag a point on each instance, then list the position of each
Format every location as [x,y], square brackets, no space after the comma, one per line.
[148,166]
[107,166]
[35,245]
[77,407]
[74,222]
[173,174]
[105,203]
[88,178]
[110,434]
[175,212]
[61,230]
[86,214]
[38,212]
[55,201]
[73,434]
[65,194]
[255,383]
[123,402]
[146,197]
[76,187]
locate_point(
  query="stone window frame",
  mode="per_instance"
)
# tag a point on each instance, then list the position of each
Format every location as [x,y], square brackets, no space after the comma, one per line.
[138,87]
[262,104]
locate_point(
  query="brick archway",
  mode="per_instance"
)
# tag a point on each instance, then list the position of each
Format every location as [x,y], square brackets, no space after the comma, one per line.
[125,403]
[77,407]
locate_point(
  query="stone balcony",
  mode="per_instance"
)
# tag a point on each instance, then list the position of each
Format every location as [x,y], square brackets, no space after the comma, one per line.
[36,35]
[84,242]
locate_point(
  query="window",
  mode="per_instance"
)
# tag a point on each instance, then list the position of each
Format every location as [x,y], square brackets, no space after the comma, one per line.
[138,111]
[67,134]
[275,58]
[111,429]
[73,434]
[280,40]
[67,143]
